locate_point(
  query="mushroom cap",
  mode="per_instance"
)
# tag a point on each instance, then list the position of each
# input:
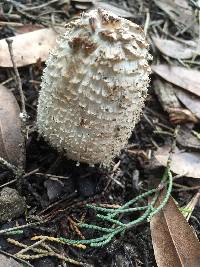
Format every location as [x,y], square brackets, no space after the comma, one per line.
[93,87]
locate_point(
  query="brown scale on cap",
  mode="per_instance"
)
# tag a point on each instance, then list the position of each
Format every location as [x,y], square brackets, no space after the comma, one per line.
[82,43]
[107,18]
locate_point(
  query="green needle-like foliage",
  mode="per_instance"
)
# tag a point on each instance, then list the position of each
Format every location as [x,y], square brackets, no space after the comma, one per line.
[111,215]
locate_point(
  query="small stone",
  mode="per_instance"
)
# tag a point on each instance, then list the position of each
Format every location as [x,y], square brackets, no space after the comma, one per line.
[12,205]
[8,262]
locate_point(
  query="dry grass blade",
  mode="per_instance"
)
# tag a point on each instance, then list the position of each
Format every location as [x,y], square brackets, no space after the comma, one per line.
[11,138]
[174,242]
[28,47]
[183,163]
[188,79]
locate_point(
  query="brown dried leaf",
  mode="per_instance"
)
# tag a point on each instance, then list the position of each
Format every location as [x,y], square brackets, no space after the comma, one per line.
[28,47]
[11,138]
[176,49]
[181,115]
[166,95]
[183,163]
[174,242]
[191,101]
[8,262]
[187,139]
[188,79]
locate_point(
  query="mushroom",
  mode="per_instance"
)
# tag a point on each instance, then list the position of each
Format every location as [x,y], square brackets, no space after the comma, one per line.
[93,87]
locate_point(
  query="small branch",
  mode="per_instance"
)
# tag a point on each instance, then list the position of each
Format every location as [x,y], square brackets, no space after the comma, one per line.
[30,247]
[19,83]
[9,231]
[16,171]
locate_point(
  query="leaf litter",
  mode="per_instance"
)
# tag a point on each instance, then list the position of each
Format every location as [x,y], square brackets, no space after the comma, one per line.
[174,241]
[168,98]
[180,13]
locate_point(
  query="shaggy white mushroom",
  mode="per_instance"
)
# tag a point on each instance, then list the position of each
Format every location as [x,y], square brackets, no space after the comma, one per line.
[94,86]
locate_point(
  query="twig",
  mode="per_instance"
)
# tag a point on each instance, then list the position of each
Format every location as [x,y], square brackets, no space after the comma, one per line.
[146,26]
[8,183]
[21,245]
[17,228]
[30,247]
[19,83]
[17,171]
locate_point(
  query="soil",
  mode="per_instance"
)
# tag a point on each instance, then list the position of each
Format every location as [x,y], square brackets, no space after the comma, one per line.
[56,202]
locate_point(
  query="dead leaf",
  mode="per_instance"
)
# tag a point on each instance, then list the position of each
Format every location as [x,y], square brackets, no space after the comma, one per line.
[166,94]
[180,13]
[54,188]
[11,138]
[191,101]
[8,262]
[183,163]
[113,8]
[181,115]
[187,139]
[28,47]
[176,49]
[188,79]
[174,242]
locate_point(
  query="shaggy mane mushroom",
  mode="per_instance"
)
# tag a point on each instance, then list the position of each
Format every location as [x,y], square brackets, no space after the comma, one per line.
[94,86]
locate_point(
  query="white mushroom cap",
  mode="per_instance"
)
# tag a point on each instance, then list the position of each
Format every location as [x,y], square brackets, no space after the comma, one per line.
[94,87]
